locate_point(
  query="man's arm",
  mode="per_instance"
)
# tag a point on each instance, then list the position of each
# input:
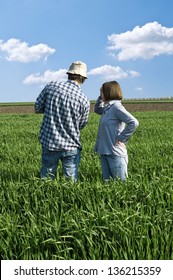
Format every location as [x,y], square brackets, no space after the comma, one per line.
[85,116]
[40,102]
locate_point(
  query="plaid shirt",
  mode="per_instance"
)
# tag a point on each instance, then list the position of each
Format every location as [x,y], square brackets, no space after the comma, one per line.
[66,110]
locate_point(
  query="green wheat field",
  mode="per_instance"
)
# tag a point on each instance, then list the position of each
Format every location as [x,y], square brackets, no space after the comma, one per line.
[87,220]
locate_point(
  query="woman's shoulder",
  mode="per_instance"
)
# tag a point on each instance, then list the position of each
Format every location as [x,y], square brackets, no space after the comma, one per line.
[117,105]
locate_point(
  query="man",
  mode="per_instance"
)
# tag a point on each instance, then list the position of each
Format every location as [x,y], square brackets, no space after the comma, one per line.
[66,110]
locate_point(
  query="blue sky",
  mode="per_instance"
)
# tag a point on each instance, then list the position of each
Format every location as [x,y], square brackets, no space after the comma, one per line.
[130,41]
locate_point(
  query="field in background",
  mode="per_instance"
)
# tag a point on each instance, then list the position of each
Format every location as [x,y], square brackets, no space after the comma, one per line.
[42,219]
[132,105]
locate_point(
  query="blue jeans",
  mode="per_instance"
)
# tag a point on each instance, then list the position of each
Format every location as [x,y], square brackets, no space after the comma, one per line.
[70,162]
[114,166]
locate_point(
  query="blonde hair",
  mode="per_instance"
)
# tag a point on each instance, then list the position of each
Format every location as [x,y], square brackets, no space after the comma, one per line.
[112,91]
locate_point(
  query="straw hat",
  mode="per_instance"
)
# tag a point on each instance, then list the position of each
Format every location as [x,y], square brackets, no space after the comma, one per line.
[78,68]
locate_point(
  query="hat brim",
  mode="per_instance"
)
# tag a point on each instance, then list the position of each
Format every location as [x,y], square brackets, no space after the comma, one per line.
[75,73]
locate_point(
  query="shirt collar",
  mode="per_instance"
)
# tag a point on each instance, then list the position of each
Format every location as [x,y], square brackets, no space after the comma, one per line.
[113,102]
[73,82]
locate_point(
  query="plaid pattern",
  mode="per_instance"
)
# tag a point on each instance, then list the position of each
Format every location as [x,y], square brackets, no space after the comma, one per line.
[66,110]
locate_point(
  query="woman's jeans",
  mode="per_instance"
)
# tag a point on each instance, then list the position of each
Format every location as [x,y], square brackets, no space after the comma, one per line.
[70,162]
[114,167]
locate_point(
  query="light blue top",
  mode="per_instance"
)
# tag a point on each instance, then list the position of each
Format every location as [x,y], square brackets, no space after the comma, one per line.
[116,124]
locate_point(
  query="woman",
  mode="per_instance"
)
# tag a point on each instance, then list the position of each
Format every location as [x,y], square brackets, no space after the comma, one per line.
[115,128]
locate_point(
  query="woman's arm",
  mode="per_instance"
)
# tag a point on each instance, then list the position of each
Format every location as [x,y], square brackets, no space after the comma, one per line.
[131,124]
[98,108]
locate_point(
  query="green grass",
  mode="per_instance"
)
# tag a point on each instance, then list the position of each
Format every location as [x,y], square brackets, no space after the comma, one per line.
[44,219]
[17,104]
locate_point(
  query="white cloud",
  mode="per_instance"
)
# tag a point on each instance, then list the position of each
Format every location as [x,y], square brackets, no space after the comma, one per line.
[17,50]
[148,41]
[111,72]
[133,74]
[139,88]
[107,72]
[47,77]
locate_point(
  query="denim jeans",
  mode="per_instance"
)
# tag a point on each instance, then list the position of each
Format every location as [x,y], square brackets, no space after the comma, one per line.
[70,162]
[114,166]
